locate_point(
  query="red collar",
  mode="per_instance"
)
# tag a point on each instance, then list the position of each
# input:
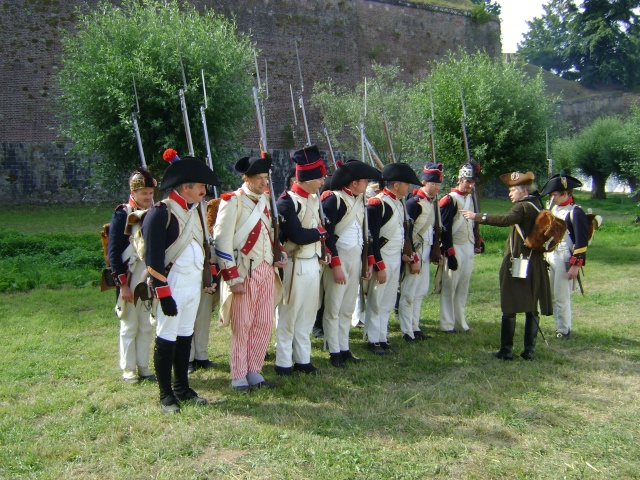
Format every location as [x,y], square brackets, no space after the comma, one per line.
[455,190]
[175,196]
[389,193]
[132,203]
[421,194]
[346,190]
[568,201]
[299,190]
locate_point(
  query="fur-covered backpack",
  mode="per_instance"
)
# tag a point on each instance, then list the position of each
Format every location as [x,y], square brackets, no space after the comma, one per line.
[547,231]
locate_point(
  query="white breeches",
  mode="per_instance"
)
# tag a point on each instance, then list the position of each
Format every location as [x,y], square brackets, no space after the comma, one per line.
[455,289]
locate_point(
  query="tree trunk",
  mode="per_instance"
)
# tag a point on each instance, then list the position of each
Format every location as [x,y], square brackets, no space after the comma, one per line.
[598,187]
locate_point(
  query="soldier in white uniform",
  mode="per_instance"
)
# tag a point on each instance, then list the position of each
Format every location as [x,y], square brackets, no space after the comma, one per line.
[173,233]
[571,253]
[386,215]
[415,282]
[345,210]
[251,287]
[303,235]
[136,331]
[458,243]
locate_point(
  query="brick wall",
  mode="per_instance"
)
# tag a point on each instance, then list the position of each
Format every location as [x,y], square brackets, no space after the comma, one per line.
[339,39]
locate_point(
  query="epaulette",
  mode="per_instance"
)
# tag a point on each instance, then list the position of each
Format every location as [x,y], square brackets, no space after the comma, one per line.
[283,194]
[415,192]
[374,202]
[326,194]
[446,200]
[227,196]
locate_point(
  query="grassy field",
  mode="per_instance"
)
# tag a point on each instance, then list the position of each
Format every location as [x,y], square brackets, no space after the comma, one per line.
[444,408]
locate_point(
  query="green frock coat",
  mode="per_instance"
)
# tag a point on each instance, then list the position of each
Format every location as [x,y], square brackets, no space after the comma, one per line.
[522,294]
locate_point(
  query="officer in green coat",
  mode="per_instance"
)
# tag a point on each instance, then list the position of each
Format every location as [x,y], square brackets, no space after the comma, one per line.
[524,277]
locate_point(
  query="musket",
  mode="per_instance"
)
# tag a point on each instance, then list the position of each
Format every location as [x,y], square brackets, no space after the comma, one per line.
[206,131]
[294,126]
[364,270]
[136,129]
[305,125]
[323,217]
[385,127]
[549,159]
[331,154]
[436,255]
[260,120]
[476,204]
[373,156]
[183,108]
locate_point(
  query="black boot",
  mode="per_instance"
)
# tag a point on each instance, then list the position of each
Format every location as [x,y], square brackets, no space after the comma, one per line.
[507,330]
[347,356]
[163,361]
[181,372]
[530,334]
[337,360]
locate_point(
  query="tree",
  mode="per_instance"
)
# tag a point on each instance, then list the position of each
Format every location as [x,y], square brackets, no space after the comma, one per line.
[598,44]
[507,113]
[549,37]
[145,40]
[607,147]
[490,6]
[342,108]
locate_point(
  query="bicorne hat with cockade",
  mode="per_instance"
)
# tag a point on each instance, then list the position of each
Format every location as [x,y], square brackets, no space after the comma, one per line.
[515,179]
[470,170]
[399,172]
[432,172]
[353,170]
[253,165]
[309,164]
[186,170]
[141,178]
[559,183]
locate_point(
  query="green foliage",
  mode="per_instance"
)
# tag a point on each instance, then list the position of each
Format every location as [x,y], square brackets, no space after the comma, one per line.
[507,113]
[145,39]
[342,108]
[607,147]
[598,44]
[53,260]
[489,6]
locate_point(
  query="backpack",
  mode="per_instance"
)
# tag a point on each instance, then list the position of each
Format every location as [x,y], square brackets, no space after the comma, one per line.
[594,222]
[134,229]
[548,230]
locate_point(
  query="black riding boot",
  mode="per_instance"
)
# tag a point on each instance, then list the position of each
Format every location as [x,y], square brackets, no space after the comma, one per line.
[181,369]
[163,361]
[530,333]
[507,330]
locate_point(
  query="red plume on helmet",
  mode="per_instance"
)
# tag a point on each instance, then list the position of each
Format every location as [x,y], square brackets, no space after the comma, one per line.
[170,155]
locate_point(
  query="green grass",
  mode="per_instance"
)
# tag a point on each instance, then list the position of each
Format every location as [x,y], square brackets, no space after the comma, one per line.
[443,409]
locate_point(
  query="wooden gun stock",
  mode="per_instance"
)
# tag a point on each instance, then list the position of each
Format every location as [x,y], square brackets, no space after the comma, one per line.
[436,255]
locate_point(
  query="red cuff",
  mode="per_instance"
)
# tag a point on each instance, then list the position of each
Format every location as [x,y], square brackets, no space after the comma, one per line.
[122,279]
[451,252]
[335,261]
[214,270]
[380,266]
[576,261]
[230,273]
[371,260]
[322,230]
[415,258]
[163,292]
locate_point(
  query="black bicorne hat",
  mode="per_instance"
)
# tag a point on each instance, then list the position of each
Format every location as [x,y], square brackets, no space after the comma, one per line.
[432,172]
[253,165]
[559,183]
[309,164]
[353,170]
[400,172]
[188,170]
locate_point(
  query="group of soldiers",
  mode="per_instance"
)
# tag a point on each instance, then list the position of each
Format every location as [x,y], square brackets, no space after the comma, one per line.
[326,245]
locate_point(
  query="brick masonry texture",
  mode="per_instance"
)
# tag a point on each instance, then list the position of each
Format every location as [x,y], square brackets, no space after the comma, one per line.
[338,39]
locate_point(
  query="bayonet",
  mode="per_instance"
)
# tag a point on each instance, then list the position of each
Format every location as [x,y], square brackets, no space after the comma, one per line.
[136,129]
[183,108]
[203,108]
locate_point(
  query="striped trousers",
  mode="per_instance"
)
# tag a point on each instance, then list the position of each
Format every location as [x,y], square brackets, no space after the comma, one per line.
[252,321]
